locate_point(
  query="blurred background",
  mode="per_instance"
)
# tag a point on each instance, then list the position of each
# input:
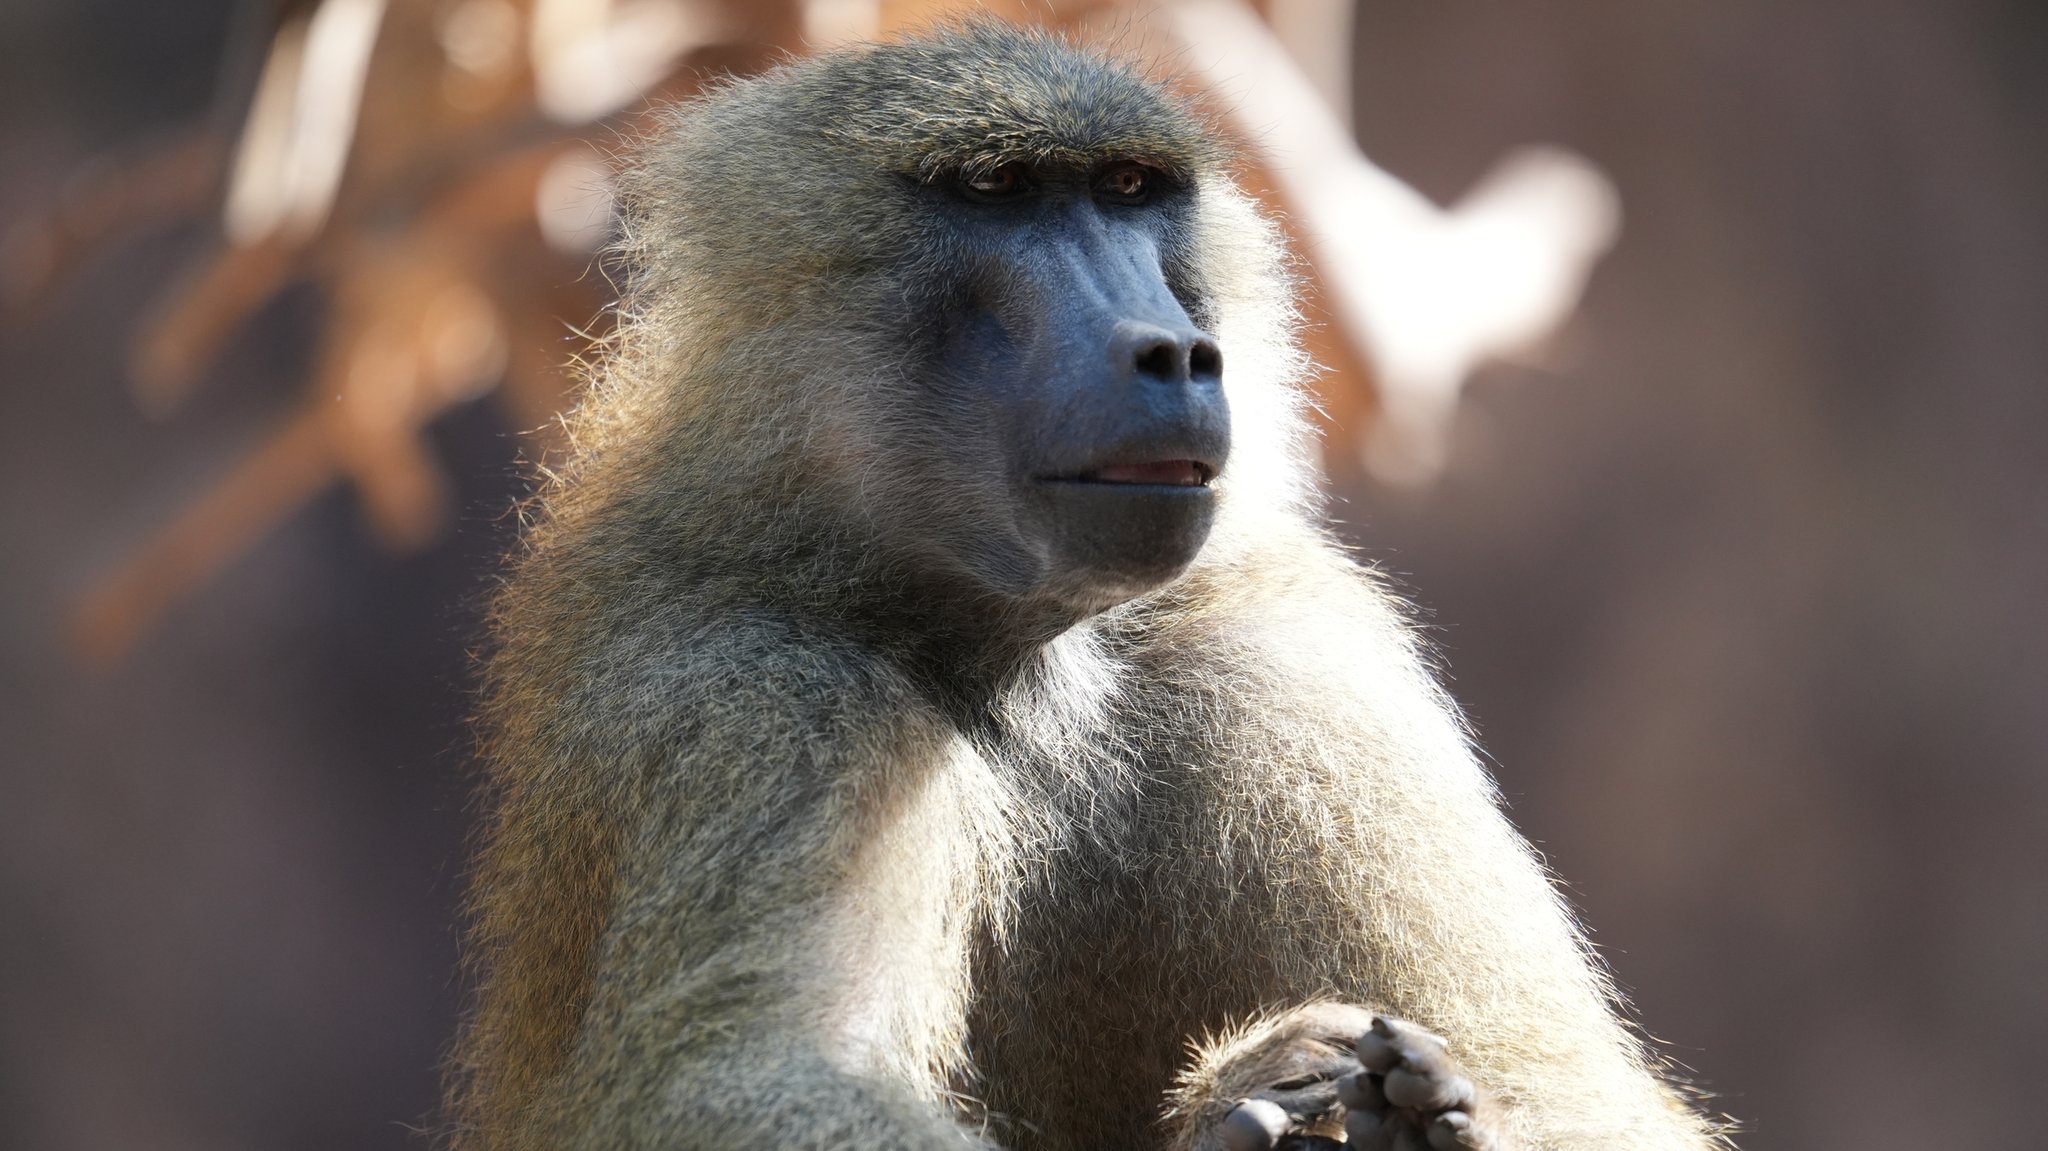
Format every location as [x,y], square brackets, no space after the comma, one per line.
[1739,560]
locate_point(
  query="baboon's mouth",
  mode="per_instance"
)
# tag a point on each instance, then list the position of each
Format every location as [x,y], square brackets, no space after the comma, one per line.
[1157,473]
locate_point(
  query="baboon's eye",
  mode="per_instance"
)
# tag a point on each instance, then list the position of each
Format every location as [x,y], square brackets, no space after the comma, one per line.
[1125,183]
[998,183]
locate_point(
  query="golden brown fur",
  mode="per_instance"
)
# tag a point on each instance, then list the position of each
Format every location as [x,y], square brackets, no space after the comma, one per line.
[774,861]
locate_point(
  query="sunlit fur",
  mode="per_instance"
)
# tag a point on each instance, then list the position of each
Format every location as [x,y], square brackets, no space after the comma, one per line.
[751,877]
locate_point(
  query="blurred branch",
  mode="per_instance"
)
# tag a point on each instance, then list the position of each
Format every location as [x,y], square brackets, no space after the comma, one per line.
[107,200]
[426,163]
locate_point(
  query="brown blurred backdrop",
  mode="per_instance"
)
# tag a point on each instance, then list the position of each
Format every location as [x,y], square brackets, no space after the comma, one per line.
[1747,594]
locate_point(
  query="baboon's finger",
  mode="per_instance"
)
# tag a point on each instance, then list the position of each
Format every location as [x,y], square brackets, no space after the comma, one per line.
[1377,1051]
[1255,1125]
[1417,1046]
[1449,1131]
[1361,1092]
[1368,1131]
[1400,1030]
[1427,1092]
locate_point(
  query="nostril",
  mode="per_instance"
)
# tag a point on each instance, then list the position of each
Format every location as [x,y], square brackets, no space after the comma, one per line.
[1159,359]
[1205,360]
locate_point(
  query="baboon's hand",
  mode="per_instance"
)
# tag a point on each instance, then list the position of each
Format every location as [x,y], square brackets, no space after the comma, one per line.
[1409,1093]
[1397,1089]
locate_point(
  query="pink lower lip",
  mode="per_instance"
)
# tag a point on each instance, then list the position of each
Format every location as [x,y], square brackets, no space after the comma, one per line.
[1166,473]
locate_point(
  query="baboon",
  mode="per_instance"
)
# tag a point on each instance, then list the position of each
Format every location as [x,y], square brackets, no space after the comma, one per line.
[928,710]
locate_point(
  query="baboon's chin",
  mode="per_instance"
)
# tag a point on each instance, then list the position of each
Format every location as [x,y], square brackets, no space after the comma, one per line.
[1115,541]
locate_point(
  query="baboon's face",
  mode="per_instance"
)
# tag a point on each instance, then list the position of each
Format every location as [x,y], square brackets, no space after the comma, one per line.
[1092,405]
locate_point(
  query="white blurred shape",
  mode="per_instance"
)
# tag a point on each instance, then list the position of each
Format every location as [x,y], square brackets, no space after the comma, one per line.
[481,37]
[572,202]
[1431,293]
[594,57]
[296,141]
[830,23]
[465,350]
[258,186]
[1318,34]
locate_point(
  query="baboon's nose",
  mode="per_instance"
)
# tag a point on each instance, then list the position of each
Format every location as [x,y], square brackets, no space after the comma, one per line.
[1162,355]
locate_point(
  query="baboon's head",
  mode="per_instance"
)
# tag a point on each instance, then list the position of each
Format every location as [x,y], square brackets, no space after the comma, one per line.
[958,285]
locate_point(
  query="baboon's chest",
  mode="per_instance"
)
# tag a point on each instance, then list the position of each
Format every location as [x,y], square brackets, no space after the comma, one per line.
[1079,1026]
